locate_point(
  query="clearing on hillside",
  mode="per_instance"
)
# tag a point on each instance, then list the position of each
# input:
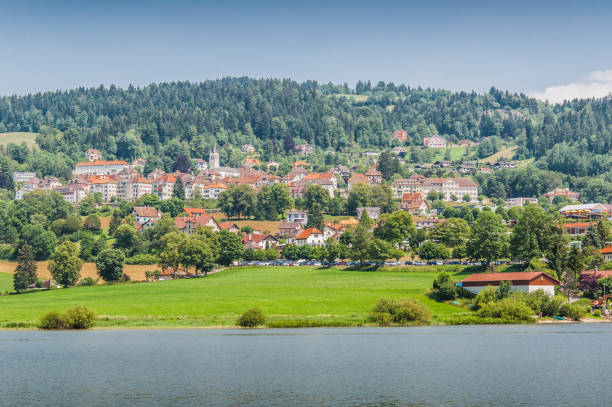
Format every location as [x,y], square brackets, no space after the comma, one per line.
[18,137]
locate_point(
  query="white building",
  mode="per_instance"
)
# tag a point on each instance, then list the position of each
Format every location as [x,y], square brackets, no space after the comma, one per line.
[21,176]
[510,202]
[527,282]
[93,154]
[312,237]
[297,217]
[212,191]
[434,142]
[100,167]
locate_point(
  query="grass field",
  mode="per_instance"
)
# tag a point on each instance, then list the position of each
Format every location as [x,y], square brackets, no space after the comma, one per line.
[17,137]
[456,153]
[336,296]
[136,272]
[506,153]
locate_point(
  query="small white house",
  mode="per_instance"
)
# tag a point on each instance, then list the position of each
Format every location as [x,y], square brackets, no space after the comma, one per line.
[312,237]
[527,282]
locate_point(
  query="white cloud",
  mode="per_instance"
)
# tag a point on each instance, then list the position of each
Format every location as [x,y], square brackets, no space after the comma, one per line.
[598,84]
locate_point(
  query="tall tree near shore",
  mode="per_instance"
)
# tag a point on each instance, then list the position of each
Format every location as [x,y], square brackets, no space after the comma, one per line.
[25,273]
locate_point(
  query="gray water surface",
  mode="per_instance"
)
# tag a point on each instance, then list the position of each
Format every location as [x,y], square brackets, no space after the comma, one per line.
[561,365]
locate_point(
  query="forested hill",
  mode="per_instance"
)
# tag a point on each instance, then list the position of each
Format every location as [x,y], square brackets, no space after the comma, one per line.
[574,138]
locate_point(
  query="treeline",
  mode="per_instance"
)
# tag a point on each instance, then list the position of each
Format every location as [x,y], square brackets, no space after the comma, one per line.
[142,121]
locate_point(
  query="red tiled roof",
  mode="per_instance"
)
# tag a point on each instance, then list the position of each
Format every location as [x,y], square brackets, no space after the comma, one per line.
[194,211]
[577,225]
[227,225]
[513,276]
[256,237]
[306,233]
[606,250]
[602,273]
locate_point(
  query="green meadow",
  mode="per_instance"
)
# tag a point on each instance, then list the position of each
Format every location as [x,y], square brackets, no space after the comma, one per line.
[325,297]
[18,137]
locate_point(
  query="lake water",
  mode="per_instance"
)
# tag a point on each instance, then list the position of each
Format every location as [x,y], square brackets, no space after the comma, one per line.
[560,365]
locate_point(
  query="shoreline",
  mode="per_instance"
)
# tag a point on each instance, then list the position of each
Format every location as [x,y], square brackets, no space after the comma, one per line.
[266,328]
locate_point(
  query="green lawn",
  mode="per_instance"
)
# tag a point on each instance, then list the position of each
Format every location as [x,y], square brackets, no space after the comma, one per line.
[457,153]
[6,282]
[17,137]
[283,293]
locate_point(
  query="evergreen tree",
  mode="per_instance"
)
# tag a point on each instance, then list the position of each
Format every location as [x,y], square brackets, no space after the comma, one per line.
[179,189]
[115,222]
[315,218]
[25,273]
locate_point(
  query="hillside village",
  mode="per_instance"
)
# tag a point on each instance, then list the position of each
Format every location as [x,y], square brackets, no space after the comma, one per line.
[383,211]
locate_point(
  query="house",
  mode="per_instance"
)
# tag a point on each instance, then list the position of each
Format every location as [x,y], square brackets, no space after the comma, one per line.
[100,167]
[607,253]
[74,192]
[22,176]
[259,241]
[332,231]
[341,171]
[443,164]
[484,170]
[356,179]
[195,211]
[372,211]
[105,185]
[510,202]
[373,176]
[576,228]
[189,224]
[503,164]
[201,164]
[527,282]
[401,151]
[300,164]
[429,222]
[324,179]
[312,237]
[230,227]
[434,142]
[466,143]
[451,187]
[564,192]
[146,213]
[300,217]
[212,191]
[414,204]
[273,164]
[247,148]
[304,149]
[400,135]
[251,162]
[586,211]
[401,186]
[288,228]
[139,162]
[93,154]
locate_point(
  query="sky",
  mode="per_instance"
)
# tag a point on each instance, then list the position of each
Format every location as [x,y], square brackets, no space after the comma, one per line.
[548,49]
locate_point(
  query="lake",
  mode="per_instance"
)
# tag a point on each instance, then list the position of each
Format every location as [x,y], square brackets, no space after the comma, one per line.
[561,365]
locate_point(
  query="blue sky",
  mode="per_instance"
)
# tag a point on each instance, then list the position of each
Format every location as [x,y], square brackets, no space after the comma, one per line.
[550,49]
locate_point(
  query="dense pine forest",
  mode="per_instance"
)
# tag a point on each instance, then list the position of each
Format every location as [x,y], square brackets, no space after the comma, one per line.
[162,121]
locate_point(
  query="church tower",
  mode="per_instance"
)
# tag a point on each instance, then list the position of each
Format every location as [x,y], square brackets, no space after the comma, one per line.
[213,157]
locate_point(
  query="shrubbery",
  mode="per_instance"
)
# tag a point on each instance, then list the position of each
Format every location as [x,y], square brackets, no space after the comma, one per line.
[6,251]
[444,288]
[572,311]
[87,282]
[251,318]
[75,318]
[508,308]
[389,311]
[142,259]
